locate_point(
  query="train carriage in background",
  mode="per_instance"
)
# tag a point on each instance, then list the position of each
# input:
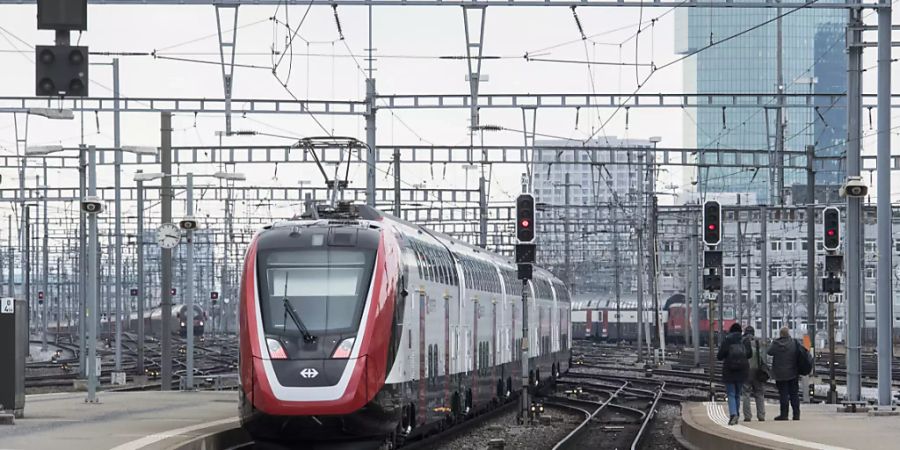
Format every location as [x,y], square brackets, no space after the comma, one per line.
[355,325]
[596,319]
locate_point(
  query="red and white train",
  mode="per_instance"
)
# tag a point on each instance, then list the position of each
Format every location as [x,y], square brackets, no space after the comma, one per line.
[357,326]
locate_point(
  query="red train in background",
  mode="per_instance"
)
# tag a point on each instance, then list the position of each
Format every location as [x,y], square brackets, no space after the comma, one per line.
[357,327]
[596,319]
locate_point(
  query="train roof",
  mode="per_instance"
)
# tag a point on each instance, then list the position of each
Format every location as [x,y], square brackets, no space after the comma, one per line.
[347,214]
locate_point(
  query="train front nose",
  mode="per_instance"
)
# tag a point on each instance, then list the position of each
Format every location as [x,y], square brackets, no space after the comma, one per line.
[311,363]
[313,291]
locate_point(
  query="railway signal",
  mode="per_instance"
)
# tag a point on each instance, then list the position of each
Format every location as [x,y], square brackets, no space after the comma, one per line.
[712,223]
[525,218]
[61,70]
[831,228]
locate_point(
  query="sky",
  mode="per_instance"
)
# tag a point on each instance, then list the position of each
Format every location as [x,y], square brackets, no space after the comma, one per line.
[409,43]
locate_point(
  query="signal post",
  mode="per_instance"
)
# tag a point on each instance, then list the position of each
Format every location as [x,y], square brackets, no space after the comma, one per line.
[831,283]
[712,274]
[525,258]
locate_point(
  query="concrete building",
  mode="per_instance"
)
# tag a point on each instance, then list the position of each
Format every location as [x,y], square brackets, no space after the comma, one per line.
[611,189]
[786,254]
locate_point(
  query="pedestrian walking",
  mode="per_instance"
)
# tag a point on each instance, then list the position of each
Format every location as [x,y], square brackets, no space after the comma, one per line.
[756,381]
[734,354]
[784,352]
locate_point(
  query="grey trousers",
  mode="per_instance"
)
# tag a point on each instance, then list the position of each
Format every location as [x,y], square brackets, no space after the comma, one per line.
[758,390]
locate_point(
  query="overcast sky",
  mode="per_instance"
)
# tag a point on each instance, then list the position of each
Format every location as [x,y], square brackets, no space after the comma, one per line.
[409,43]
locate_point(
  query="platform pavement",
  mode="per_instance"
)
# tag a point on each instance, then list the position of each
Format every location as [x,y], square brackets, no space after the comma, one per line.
[122,421]
[705,426]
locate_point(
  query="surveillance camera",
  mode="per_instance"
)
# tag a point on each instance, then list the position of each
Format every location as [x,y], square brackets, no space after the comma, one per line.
[188,223]
[854,187]
[92,205]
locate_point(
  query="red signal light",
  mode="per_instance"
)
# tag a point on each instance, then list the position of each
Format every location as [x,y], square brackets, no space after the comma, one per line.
[830,232]
[712,226]
[525,223]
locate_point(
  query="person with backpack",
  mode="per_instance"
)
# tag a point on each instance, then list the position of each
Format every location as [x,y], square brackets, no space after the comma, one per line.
[756,382]
[735,354]
[786,354]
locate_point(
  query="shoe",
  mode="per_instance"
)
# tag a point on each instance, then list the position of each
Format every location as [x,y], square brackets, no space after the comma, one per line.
[733,420]
[796,417]
[762,419]
[748,419]
[780,418]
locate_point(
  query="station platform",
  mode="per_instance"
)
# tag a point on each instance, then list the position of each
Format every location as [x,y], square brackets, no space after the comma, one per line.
[705,426]
[121,421]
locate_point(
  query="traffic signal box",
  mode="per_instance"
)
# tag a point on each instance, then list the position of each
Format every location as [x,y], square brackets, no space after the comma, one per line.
[525,249]
[712,223]
[831,240]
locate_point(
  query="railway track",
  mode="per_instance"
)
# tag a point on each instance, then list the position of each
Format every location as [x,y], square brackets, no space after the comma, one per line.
[214,356]
[620,420]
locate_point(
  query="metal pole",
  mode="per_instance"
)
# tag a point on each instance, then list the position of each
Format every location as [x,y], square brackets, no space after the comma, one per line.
[91,295]
[618,288]
[779,113]
[26,287]
[764,276]
[371,154]
[82,263]
[482,212]
[640,293]
[166,254]
[189,291]
[397,182]
[525,373]
[11,255]
[884,242]
[740,251]
[832,387]
[854,205]
[58,295]
[695,298]
[567,257]
[711,305]
[654,272]
[140,276]
[811,248]
[45,276]
[117,288]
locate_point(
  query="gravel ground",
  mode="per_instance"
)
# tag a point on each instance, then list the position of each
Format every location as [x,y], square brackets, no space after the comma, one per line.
[542,436]
[660,437]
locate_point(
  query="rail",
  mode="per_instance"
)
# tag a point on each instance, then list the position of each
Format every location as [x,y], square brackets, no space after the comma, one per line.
[569,440]
[651,413]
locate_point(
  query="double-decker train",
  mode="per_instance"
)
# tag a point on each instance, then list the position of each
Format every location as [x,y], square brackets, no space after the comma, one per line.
[357,326]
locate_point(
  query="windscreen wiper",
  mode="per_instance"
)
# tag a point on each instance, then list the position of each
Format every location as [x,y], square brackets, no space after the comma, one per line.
[289,309]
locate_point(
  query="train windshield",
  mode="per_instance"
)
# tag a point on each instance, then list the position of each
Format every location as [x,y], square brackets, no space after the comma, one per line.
[314,291]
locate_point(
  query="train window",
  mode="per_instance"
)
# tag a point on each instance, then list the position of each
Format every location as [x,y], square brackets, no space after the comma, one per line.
[418,257]
[326,287]
[441,256]
[448,265]
[454,275]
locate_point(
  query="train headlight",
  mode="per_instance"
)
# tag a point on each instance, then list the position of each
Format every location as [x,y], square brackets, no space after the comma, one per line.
[276,350]
[201,323]
[343,349]
[182,323]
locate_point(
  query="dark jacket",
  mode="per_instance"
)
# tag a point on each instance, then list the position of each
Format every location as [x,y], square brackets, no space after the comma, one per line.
[732,374]
[784,359]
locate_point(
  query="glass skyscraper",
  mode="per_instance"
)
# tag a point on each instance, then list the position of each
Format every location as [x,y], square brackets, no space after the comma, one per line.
[813,61]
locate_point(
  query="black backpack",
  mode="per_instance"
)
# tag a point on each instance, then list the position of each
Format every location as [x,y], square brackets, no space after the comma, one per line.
[737,356]
[804,360]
